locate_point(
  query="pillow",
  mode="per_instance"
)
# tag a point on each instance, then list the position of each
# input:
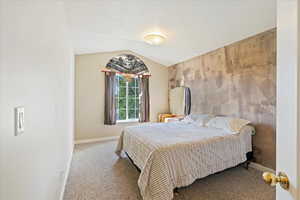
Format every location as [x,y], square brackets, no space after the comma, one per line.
[188,119]
[228,123]
[197,119]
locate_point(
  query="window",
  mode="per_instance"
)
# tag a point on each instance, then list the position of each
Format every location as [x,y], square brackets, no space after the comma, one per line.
[127,99]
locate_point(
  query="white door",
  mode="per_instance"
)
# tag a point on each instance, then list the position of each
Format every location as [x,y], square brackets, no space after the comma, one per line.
[288,97]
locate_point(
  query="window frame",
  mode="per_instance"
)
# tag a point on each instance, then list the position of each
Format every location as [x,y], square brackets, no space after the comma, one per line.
[127,100]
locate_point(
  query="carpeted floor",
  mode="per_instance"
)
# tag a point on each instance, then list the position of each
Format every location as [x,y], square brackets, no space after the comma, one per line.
[98,174]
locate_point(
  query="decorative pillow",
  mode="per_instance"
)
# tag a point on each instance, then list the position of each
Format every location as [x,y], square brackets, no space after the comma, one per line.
[188,119]
[197,119]
[228,123]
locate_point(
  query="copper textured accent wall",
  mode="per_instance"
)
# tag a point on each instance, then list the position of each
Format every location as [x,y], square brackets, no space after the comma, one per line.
[237,80]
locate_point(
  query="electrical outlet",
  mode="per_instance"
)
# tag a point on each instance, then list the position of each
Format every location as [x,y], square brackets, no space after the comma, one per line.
[19,120]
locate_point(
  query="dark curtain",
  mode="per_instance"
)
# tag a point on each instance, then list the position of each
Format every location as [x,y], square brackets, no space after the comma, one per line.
[144,99]
[110,114]
[187,94]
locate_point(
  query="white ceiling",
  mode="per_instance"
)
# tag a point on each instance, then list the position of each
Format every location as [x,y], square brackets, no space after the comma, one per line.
[192,27]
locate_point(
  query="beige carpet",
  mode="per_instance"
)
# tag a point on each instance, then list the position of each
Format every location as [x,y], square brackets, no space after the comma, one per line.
[98,174]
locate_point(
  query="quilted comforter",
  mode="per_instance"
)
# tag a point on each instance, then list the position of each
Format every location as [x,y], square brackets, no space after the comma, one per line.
[172,155]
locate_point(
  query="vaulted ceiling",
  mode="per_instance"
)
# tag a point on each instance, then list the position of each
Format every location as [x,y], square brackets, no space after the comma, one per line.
[192,27]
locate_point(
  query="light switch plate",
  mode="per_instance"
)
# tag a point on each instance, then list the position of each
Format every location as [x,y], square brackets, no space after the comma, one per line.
[19,120]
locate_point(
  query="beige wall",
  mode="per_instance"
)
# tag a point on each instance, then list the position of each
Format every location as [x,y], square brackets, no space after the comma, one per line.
[238,80]
[90,94]
[36,72]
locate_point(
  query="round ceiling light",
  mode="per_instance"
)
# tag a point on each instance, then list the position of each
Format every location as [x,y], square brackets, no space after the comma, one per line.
[154,38]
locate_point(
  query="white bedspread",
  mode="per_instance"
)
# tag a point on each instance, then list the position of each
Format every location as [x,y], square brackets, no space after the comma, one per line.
[175,154]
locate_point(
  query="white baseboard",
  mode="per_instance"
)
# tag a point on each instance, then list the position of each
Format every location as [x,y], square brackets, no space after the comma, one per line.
[102,139]
[261,167]
[66,175]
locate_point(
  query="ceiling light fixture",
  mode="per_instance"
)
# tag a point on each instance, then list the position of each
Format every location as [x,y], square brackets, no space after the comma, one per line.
[154,38]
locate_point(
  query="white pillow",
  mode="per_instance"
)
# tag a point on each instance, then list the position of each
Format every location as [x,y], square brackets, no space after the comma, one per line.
[187,119]
[197,119]
[228,123]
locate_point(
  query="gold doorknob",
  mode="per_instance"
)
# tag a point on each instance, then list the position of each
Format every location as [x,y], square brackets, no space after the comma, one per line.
[272,179]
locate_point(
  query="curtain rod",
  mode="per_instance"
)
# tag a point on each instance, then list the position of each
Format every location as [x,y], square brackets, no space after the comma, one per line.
[109,71]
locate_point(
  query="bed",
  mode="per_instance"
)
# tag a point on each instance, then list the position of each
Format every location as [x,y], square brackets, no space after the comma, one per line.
[175,154]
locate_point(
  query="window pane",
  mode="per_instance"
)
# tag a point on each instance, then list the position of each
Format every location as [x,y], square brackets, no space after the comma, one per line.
[122,81]
[122,92]
[131,114]
[132,83]
[122,115]
[131,103]
[122,103]
[131,92]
